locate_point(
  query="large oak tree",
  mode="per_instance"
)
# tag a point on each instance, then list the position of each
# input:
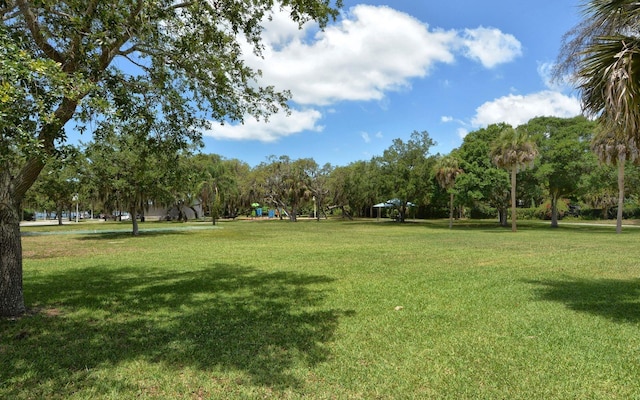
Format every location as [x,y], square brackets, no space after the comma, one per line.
[62,65]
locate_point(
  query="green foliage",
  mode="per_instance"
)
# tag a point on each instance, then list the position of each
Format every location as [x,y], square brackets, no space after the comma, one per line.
[28,215]
[483,211]
[286,184]
[601,55]
[29,89]
[566,169]
[482,184]
[59,182]
[543,211]
[528,213]
[134,161]
[358,186]
[513,148]
[564,151]
[407,168]
[446,170]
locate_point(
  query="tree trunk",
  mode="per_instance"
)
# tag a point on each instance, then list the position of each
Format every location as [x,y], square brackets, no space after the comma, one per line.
[12,191]
[11,295]
[554,210]
[59,214]
[502,216]
[514,171]
[620,194]
[345,212]
[318,206]
[134,221]
[451,210]
[215,206]
[293,217]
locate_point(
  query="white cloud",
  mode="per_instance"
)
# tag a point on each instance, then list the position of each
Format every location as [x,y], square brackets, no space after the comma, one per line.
[281,30]
[370,51]
[446,118]
[279,125]
[367,137]
[490,46]
[545,71]
[517,110]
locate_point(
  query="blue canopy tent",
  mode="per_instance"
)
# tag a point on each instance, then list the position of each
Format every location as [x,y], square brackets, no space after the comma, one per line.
[393,203]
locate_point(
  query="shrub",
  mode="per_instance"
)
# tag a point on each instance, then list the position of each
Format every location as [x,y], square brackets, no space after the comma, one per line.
[483,212]
[528,213]
[28,215]
[544,210]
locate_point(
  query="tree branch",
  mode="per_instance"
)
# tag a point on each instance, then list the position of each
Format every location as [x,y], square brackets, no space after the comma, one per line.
[109,52]
[128,51]
[181,5]
[137,64]
[88,16]
[9,8]
[48,133]
[36,32]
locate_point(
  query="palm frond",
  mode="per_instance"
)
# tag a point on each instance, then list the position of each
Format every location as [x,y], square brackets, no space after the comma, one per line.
[512,148]
[610,82]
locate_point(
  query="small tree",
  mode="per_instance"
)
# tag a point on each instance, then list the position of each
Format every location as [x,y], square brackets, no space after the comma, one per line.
[564,155]
[615,149]
[513,151]
[446,172]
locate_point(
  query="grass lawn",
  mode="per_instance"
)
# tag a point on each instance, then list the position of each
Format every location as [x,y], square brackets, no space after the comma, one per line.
[329,310]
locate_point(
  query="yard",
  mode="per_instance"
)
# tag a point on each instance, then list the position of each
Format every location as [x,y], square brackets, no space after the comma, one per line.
[328,310]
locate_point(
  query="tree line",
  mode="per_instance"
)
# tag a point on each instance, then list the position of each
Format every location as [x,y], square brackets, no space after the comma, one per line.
[126,171]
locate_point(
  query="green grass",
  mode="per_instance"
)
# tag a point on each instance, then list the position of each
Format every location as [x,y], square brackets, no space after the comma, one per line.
[308,310]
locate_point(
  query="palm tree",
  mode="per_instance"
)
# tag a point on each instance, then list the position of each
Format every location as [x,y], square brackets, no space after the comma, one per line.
[513,150]
[615,149]
[602,55]
[446,171]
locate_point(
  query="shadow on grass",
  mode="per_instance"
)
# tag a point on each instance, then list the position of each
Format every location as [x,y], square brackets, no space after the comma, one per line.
[145,231]
[435,224]
[117,235]
[492,226]
[223,318]
[618,300]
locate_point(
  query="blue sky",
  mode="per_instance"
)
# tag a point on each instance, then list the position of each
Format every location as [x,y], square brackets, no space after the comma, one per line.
[387,68]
